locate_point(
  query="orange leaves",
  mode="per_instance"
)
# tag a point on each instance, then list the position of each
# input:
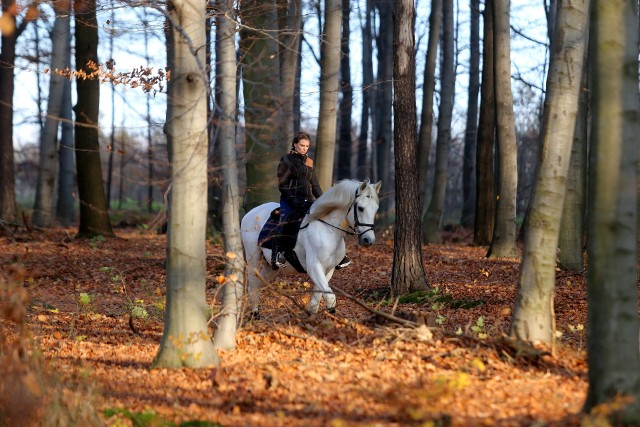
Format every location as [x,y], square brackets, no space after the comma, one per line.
[291,370]
[143,77]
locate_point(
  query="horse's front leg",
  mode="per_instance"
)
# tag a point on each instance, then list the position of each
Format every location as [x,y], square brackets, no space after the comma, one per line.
[320,289]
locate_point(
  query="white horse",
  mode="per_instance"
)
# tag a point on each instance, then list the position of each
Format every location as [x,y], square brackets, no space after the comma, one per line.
[347,208]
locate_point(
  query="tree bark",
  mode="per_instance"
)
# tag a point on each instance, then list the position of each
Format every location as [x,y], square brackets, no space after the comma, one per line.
[503,243]
[572,226]
[383,133]
[264,138]
[346,102]
[533,316]
[485,180]
[8,207]
[186,340]
[225,334]
[408,269]
[431,232]
[365,169]
[329,84]
[44,209]
[471,133]
[613,358]
[67,169]
[289,54]
[428,89]
[94,214]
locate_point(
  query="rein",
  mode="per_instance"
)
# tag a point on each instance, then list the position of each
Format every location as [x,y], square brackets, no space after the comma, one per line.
[356,223]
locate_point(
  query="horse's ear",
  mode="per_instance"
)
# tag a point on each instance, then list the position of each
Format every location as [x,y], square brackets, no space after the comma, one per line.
[378,185]
[363,185]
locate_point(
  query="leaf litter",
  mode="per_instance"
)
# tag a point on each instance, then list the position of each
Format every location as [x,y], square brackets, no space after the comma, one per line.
[351,368]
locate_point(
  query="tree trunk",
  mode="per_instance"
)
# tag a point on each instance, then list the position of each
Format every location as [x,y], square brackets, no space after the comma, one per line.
[571,239]
[471,133]
[329,84]
[503,243]
[94,214]
[346,102]
[289,54]
[485,183]
[613,358]
[533,317]
[264,138]
[186,340]
[67,169]
[225,335]
[48,168]
[368,97]
[431,232]
[8,207]
[429,86]
[408,269]
[383,133]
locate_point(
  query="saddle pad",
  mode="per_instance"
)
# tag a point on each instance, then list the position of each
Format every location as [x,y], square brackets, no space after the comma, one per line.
[264,239]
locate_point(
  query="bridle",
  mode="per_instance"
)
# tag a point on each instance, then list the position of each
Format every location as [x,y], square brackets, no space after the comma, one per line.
[356,222]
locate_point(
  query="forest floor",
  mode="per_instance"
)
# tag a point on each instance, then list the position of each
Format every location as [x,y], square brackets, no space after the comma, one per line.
[80,359]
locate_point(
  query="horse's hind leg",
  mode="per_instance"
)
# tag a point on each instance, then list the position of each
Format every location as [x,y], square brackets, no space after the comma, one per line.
[258,271]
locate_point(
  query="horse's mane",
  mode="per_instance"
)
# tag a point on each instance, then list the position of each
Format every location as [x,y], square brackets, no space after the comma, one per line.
[341,195]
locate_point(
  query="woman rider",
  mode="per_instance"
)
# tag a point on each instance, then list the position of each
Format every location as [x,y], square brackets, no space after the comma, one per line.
[299,187]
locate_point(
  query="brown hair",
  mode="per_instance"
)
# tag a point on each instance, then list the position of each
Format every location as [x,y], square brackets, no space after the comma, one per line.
[299,137]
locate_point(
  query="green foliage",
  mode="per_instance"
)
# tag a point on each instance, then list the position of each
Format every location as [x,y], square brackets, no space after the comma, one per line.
[95,240]
[478,328]
[434,296]
[139,312]
[84,299]
[150,419]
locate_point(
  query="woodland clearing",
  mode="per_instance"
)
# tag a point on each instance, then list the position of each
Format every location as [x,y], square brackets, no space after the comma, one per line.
[81,358]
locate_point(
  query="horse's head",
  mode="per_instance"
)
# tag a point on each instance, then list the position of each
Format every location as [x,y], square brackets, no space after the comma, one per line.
[365,207]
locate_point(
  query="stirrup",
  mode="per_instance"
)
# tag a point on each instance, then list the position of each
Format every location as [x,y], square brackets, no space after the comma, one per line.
[279,261]
[344,263]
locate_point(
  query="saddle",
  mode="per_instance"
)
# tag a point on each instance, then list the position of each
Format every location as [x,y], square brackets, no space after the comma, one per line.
[288,237]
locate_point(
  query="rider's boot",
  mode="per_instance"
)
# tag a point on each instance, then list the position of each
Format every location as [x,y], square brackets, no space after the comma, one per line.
[277,257]
[345,262]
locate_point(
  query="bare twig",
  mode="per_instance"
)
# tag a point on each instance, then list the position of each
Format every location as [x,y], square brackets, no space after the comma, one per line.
[374,311]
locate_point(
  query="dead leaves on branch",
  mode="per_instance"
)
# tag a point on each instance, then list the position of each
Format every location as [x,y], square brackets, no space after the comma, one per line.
[140,77]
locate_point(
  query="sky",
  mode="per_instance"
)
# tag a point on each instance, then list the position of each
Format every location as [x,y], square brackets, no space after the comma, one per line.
[127,47]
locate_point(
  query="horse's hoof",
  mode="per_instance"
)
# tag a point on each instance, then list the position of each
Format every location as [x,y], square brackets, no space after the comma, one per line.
[254,315]
[331,310]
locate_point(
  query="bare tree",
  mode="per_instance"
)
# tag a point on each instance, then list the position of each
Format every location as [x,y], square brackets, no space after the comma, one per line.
[408,270]
[613,357]
[533,318]
[346,102]
[368,95]
[234,266]
[329,84]
[503,243]
[428,89]
[471,133]
[485,191]
[431,232]
[262,89]
[383,132]
[186,340]
[572,226]
[94,214]
[44,209]
[8,207]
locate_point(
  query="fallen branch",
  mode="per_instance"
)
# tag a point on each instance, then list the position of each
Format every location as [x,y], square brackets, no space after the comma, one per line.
[382,314]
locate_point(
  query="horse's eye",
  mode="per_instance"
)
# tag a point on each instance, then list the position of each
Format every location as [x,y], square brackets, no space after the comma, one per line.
[360,209]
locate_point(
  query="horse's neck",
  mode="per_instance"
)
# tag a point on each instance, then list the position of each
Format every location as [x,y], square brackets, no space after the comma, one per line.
[336,217]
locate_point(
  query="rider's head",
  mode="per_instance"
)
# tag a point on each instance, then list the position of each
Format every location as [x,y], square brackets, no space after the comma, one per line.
[301,143]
